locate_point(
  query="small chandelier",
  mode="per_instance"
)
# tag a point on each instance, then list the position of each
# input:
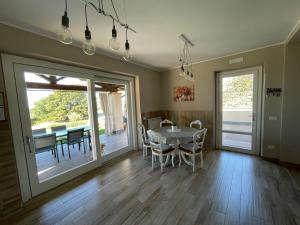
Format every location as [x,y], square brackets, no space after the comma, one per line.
[186,69]
[65,36]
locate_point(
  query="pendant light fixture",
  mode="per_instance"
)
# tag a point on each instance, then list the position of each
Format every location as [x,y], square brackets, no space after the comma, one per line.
[186,69]
[88,47]
[114,43]
[127,54]
[64,35]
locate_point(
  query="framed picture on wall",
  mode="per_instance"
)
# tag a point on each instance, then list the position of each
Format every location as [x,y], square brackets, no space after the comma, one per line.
[2,111]
[183,93]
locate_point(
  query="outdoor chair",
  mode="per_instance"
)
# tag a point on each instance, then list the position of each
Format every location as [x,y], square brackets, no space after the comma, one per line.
[45,143]
[39,131]
[75,136]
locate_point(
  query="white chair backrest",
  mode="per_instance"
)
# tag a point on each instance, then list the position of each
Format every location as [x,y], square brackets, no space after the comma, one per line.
[196,124]
[142,132]
[155,139]
[199,137]
[165,123]
[153,123]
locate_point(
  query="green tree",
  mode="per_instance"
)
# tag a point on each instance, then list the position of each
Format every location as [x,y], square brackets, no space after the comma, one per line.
[61,106]
[238,92]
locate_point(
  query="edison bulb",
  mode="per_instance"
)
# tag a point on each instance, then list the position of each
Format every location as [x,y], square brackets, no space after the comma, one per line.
[114,43]
[64,35]
[127,55]
[88,47]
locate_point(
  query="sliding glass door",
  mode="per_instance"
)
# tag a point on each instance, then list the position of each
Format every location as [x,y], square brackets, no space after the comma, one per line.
[112,98]
[67,121]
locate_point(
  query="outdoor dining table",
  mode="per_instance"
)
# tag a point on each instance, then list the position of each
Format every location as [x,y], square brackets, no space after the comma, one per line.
[63,133]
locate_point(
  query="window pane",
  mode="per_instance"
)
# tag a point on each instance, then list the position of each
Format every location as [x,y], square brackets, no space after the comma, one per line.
[237,140]
[112,116]
[59,108]
[237,103]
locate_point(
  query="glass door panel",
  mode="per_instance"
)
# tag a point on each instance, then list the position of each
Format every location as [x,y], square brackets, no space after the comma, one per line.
[237,109]
[60,123]
[112,112]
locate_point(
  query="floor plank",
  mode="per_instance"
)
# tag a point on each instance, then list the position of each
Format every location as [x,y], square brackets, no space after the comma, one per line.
[231,189]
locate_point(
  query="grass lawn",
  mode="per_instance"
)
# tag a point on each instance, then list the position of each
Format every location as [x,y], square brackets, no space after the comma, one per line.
[101,131]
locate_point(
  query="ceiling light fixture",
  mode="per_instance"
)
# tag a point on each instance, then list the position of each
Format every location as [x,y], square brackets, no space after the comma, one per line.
[88,47]
[186,69]
[114,43]
[127,54]
[64,35]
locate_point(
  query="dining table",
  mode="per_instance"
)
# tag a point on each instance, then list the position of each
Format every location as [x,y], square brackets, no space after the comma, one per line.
[64,133]
[175,137]
[179,135]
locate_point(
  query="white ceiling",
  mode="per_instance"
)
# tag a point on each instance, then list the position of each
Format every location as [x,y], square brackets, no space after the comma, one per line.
[217,27]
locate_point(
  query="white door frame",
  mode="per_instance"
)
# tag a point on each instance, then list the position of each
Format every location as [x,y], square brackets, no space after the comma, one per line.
[257,109]
[14,64]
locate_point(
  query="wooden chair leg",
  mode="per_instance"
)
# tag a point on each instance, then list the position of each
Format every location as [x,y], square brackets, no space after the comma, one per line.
[201,158]
[180,160]
[143,152]
[153,162]
[193,161]
[161,163]
[173,156]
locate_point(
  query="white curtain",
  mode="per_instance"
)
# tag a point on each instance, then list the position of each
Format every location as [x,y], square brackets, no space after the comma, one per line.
[112,108]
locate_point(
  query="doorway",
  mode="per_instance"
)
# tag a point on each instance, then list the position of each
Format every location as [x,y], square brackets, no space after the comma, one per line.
[61,128]
[239,110]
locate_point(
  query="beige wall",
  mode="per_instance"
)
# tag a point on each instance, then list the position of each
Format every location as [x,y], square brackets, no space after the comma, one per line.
[290,151]
[26,44]
[23,43]
[270,58]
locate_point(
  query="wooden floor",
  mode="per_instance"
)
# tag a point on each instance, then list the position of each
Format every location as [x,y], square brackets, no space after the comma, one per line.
[231,189]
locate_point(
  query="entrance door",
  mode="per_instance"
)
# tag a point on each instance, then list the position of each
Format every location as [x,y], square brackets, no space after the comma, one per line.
[239,110]
[58,120]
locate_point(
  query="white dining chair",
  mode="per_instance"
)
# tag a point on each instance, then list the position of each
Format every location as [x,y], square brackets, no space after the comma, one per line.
[145,141]
[193,149]
[160,149]
[196,124]
[166,123]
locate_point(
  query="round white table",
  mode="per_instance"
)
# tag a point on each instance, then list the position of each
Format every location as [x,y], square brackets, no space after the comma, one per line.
[182,135]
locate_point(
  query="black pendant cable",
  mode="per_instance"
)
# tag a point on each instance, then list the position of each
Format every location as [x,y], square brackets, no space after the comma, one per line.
[88,46]
[64,35]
